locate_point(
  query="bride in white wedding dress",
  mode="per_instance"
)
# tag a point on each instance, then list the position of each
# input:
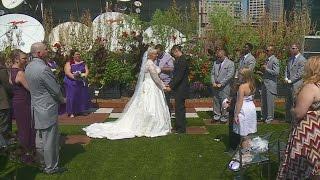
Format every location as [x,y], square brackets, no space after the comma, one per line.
[146,114]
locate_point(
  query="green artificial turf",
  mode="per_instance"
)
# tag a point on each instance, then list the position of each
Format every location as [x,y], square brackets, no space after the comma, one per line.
[170,157]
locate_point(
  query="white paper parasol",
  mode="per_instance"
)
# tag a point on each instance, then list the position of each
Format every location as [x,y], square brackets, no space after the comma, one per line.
[20,31]
[110,26]
[71,35]
[10,4]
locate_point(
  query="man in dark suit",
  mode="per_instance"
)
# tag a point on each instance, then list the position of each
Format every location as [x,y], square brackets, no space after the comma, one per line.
[180,85]
[5,94]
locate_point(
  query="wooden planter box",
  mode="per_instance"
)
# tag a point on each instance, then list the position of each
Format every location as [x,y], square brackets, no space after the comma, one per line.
[126,91]
[196,94]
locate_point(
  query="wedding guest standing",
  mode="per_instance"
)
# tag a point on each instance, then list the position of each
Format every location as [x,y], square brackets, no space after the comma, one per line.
[5,100]
[165,63]
[45,98]
[76,86]
[293,77]
[302,158]
[245,116]
[221,75]
[269,86]
[247,60]
[21,103]
[180,85]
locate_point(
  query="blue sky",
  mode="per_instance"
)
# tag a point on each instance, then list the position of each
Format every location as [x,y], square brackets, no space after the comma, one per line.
[245,4]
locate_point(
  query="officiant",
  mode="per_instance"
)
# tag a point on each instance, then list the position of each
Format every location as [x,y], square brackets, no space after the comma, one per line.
[165,63]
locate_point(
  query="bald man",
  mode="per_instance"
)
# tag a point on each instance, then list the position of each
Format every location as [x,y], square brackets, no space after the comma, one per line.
[221,76]
[45,98]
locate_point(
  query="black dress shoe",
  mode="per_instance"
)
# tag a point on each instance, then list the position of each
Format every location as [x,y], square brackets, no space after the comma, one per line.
[181,132]
[214,121]
[57,171]
[223,122]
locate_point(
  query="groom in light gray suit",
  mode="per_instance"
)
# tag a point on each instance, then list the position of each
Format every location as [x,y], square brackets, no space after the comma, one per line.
[45,98]
[293,77]
[221,75]
[247,60]
[269,86]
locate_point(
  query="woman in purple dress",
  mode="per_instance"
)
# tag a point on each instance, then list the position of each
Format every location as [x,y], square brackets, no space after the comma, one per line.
[21,104]
[76,86]
[53,65]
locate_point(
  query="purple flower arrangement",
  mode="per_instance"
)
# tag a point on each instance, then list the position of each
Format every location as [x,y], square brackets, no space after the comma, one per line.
[198,86]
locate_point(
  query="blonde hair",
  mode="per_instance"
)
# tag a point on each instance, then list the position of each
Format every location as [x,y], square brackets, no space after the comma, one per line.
[312,70]
[152,50]
[247,77]
[15,55]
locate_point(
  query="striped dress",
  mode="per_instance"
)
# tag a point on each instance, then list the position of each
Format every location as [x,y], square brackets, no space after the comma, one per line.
[302,155]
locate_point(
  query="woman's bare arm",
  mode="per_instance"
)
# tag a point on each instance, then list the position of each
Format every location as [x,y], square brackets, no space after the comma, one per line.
[304,100]
[67,70]
[239,102]
[20,78]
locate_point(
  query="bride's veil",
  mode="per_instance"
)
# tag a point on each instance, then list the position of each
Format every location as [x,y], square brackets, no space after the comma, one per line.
[136,95]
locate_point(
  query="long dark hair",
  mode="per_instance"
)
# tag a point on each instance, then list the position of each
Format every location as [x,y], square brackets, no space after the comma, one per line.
[71,54]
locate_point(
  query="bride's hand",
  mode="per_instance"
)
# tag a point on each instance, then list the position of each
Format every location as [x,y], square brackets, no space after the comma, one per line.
[167,89]
[236,119]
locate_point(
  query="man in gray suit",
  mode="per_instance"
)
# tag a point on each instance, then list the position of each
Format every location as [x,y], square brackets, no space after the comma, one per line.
[247,60]
[221,75]
[269,86]
[45,98]
[293,77]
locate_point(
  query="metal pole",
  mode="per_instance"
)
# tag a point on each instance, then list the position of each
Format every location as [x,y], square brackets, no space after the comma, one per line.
[41,8]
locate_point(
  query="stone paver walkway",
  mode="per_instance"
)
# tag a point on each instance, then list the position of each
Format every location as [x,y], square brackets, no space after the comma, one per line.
[114,108]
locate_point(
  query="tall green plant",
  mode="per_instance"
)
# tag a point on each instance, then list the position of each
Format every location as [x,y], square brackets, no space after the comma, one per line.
[186,22]
[192,20]
[280,34]
[224,27]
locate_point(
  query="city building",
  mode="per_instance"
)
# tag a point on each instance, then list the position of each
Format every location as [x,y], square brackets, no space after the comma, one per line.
[275,9]
[256,9]
[208,6]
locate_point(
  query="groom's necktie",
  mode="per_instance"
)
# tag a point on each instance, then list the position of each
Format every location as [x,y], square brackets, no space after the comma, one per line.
[241,61]
[220,66]
[293,60]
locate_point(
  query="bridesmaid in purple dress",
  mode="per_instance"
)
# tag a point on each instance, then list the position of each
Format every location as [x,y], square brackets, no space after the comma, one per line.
[21,104]
[52,64]
[76,86]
